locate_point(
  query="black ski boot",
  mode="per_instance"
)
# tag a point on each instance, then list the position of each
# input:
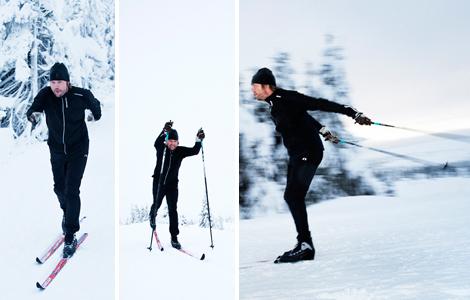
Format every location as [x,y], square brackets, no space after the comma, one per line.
[302,251]
[70,246]
[174,243]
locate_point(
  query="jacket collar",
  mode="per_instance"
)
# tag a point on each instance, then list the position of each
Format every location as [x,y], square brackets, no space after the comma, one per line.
[274,97]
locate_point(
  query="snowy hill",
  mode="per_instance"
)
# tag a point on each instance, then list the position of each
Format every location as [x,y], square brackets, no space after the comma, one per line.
[31,217]
[171,274]
[415,245]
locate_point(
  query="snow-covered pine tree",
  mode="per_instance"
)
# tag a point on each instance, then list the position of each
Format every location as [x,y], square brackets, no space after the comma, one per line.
[204,214]
[25,40]
[138,214]
[36,34]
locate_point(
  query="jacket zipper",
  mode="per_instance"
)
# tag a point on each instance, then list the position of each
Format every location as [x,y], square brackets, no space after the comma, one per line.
[168,170]
[63,120]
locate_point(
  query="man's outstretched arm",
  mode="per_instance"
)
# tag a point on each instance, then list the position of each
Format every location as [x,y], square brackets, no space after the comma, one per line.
[311,103]
[186,151]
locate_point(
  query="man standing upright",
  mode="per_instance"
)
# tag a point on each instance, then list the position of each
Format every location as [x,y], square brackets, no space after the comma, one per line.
[300,135]
[165,177]
[64,106]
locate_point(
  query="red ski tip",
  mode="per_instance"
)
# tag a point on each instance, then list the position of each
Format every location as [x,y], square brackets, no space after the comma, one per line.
[38,260]
[39,286]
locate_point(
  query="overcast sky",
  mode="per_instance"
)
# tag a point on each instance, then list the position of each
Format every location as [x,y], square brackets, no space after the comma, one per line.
[178,61]
[407,62]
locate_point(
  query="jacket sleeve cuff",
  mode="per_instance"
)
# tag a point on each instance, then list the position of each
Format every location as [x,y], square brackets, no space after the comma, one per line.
[351,111]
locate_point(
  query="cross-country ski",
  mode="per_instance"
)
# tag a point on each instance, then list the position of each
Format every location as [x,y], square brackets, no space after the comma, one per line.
[59,266]
[195,263]
[54,246]
[200,257]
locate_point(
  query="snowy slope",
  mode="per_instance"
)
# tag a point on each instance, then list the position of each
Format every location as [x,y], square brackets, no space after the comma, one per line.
[171,274]
[30,215]
[412,246]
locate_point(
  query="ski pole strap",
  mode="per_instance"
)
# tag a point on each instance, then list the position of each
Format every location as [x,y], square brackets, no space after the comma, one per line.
[443,135]
[402,156]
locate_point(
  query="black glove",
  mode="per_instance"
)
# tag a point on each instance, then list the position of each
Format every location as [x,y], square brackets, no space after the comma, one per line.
[200,135]
[168,126]
[362,120]
[90,117]
[329,136]
[33,120]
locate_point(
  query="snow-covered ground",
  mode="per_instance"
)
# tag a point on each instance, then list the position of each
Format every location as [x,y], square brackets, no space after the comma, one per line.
[415,245]
[30,219]
[171,274]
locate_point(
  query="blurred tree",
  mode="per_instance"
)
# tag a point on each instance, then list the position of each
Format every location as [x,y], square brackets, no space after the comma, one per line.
[262,172]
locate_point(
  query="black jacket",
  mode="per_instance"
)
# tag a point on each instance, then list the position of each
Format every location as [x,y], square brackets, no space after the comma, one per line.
[65,118]
[172,162]
[299,130]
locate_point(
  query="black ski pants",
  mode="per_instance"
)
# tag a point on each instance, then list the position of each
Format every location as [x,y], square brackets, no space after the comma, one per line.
[68,172]
[300,172]
[171,193]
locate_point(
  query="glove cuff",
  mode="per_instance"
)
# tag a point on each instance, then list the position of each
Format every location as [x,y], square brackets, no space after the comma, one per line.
[358,114]
[323,130]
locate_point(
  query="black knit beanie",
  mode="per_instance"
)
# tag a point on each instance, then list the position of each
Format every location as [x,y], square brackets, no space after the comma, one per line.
[59,72]
[173,134]
[264,76]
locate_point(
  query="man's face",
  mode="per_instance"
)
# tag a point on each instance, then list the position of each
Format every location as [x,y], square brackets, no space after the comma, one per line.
[172,144]
[59,87]
[261,91]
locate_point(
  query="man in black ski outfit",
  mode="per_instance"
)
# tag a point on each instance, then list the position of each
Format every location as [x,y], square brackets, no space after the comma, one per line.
[64,106]
[300,135]
[165,178]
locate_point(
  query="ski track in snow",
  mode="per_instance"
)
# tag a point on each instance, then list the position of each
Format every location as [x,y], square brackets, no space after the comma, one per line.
[31,216]
[412,246]
[170,274]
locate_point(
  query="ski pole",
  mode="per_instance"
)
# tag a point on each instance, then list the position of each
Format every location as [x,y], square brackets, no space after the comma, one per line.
[151,240]
[449,136]
[402,156]
[382,124]
[207,195]
[159,184]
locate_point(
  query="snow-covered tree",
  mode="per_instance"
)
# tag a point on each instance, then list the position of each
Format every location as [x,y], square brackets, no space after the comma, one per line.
[204,214]
[336,178]
[36,34]
[138,214]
